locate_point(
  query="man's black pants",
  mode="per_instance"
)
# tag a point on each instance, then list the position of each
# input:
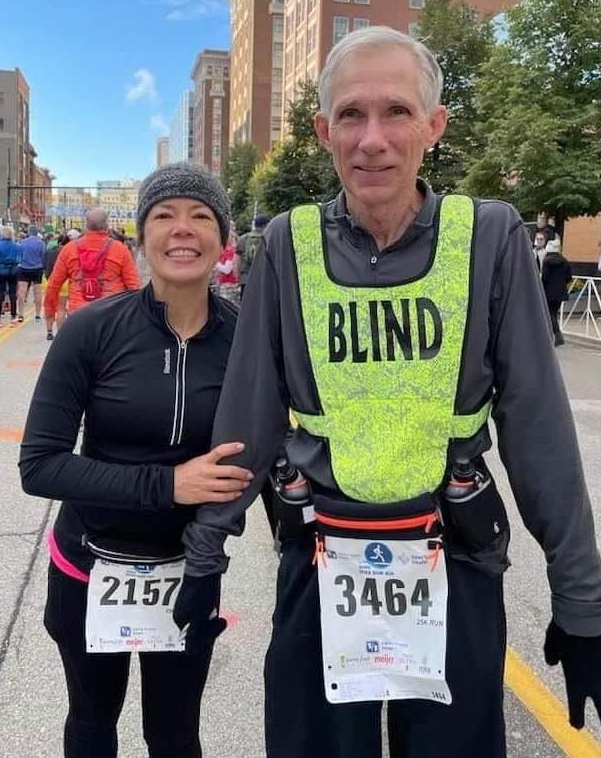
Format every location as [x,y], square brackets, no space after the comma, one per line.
[172,685]
[300,722]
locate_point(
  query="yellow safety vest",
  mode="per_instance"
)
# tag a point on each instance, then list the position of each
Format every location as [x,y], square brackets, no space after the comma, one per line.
[386,362]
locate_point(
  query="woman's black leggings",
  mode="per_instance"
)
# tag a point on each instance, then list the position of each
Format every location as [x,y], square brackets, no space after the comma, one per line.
[8,283]
[172,685]
[554,306]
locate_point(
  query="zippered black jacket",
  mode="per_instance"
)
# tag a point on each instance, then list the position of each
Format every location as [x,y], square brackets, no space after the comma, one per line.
[508,348]
[149,401]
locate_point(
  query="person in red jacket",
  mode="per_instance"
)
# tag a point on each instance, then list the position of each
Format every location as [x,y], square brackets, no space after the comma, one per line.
[76,261]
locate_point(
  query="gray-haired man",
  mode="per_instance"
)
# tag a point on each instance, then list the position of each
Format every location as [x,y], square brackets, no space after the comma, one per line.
[393,322]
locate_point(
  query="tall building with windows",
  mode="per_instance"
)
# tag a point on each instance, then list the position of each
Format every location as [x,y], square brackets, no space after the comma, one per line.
[257,72]
[181,136]
[211,77]
[162,151]
[313,27]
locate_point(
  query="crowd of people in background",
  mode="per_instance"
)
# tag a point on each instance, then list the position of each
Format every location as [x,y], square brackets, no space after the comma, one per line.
[28,260]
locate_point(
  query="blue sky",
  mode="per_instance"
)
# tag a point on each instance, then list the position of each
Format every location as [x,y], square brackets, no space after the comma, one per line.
[105,76]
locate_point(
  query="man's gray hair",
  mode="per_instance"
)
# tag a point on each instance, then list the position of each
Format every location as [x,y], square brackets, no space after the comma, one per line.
[6,232]
[378,38]
[97,220]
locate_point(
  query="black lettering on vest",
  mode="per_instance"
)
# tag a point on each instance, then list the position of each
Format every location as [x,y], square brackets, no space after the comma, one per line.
[394,330]
[375,330]
[358,356]
[337,340]
[423,306]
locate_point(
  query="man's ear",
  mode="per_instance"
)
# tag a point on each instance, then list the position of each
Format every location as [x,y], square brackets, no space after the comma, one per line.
[438,124]
[322,130]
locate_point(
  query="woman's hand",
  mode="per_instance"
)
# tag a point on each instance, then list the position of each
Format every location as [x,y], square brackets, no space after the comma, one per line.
[203,480]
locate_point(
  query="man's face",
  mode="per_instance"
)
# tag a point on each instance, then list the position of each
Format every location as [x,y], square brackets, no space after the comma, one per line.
[378,128]
[540,240]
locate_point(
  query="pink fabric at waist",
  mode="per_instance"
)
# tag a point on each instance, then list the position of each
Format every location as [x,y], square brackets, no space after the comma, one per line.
[61,563]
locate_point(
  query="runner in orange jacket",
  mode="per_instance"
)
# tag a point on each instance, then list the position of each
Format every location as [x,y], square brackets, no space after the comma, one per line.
[119,272]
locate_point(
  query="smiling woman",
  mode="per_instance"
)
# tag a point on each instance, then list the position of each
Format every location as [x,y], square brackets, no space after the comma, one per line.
[145,368]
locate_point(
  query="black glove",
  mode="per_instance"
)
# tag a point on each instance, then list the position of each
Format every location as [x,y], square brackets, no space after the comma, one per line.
[197,605]
[581,662]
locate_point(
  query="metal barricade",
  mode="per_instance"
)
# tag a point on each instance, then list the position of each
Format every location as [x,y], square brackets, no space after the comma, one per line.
[584,313]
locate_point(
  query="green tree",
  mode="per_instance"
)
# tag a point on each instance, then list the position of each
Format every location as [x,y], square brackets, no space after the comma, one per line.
[461,41]
[236,175]
[539,111]
[298,169]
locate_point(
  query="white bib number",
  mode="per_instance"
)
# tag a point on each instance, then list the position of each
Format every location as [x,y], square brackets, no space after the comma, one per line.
[383,620]
[130,607]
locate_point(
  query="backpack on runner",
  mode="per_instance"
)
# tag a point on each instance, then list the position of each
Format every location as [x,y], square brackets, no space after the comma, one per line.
[251,247]
[91,264]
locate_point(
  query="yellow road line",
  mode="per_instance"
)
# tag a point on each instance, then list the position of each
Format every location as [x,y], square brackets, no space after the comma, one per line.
[547,710]
[8,331]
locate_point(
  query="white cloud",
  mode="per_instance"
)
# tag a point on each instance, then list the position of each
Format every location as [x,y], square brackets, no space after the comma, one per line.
[141,87]
[191,11]
[158,123]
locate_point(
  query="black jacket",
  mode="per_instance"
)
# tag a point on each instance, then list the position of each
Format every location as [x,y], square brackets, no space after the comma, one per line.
[508,347]
[149,402]
[557,272]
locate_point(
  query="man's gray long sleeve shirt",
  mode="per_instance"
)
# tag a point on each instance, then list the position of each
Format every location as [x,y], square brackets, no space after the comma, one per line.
[508,349]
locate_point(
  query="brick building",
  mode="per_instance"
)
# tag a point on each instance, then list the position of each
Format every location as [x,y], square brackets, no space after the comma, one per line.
[313,27]
[17,155]
[257,72]
[211,77]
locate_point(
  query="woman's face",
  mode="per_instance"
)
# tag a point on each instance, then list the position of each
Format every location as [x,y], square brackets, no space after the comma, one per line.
[181,241]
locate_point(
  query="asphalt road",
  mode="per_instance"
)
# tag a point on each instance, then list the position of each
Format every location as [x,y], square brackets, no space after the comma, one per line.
[32,694]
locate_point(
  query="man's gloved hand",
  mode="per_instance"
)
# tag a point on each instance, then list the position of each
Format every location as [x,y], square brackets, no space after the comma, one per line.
[197,605]
[581,661]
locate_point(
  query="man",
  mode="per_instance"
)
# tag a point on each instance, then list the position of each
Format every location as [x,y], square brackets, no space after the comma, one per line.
[95,265]
[540,242]
[546,225]
[31,271]
[391,321]
[246,249]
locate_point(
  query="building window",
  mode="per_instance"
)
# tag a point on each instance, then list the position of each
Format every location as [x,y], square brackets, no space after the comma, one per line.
[417,4]
[278,25]
[276,122]
[278,48]
[362,2]
[413,30]
[1,97]
[276,74]
[360,23]
[341,28]
[276,99]
[1,124]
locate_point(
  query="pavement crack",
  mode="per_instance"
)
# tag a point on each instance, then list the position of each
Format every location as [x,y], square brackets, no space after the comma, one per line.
[39,533]
[19,534]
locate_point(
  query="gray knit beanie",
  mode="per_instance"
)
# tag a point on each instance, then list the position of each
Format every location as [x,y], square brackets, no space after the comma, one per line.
[183,180]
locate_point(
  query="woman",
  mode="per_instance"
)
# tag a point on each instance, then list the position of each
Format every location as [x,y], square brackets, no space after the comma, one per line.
[53,248]
[556,274]
[145,367]
[227,279]
[10,255]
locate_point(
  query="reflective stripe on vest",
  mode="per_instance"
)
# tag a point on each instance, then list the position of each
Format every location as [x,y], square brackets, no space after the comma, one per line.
[386,362]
